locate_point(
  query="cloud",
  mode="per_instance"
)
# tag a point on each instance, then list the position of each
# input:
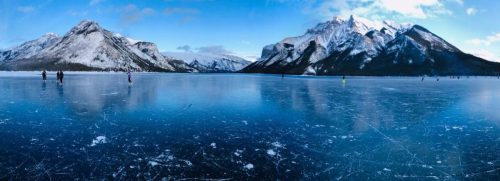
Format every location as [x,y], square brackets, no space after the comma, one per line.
[186,14]
[487,41]
[219,50]
[245,42]
[414,8]
[94,2]
[131,14]
[251,58]
[26,9]
[189,1]
[378,9]
[485,54]
[77,13]
[148,11]
[471,11]
[459,2]
[474,41]
[181,11]
[276,1]
[215,49]
[186,48]
[247,55]
[484,44]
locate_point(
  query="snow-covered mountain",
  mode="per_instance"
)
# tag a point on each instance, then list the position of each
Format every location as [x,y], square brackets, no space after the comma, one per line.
[29,49]
[357,46]
[87,46]
[205,62]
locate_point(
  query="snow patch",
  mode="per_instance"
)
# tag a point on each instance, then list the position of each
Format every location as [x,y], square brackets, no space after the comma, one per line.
[99,140]
[271,152]
[248,166]
[153,163]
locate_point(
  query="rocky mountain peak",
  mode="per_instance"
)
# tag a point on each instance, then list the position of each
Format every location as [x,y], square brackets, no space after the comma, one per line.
[86,27]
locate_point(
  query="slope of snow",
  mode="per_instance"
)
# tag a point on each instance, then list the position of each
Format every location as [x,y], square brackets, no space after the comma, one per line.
[83,47]
[434,40]
[130,40]
[30,48]
[149,51]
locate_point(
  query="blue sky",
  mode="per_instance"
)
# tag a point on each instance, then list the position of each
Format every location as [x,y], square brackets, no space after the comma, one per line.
[243,27]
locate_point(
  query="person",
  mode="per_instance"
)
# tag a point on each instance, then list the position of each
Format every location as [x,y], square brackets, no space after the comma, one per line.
[282,75]
[58,76]
[61,76]
[44,75]
[343,80]
[422,79]
[129,77]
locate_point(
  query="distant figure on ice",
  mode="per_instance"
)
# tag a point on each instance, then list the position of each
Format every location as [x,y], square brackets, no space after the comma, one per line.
[129,77]
[61,76]
[282,75]
[58,76]
[343,80]
[422,79]
[44,75]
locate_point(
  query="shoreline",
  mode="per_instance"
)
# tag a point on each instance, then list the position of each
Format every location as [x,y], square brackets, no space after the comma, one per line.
[38,73]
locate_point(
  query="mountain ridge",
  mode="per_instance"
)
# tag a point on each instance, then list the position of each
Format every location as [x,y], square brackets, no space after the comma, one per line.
[208,62]
[353,46]
[357,46]
[89,47]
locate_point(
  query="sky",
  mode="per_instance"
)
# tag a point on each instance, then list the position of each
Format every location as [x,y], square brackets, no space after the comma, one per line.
[244,27]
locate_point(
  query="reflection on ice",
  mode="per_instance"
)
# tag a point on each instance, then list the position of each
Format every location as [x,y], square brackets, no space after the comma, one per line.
[258,127]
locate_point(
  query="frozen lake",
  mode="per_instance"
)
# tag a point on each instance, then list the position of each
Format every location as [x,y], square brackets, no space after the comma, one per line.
[255,127]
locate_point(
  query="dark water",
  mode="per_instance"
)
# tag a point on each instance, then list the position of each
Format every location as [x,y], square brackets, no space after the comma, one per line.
[248,127]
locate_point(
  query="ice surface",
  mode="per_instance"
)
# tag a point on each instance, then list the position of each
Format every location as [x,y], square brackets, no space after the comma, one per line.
[247,127]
